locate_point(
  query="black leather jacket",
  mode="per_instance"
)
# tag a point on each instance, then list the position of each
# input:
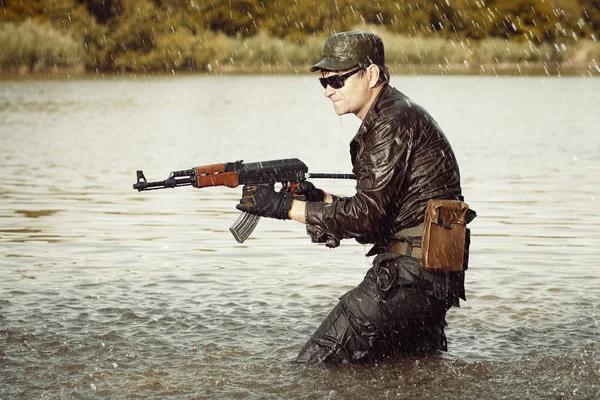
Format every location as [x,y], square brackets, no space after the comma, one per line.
[401,159]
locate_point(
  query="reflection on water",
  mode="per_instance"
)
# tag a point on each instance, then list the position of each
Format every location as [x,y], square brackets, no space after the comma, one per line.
[107,292]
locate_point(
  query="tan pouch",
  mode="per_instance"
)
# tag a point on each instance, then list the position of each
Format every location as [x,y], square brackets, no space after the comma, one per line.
[444,235]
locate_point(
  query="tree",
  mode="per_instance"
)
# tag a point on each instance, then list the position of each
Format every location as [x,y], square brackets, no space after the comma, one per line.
[469,19]
[533,20]
[71,16]
[232,17]
[590,18]
[18,10]
[103,10]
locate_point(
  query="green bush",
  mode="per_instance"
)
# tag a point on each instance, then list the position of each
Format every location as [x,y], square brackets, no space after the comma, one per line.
[172,51]
[36,47]
[212,50]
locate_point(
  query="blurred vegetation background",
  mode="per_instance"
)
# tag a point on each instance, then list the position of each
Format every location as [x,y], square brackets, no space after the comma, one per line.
[447,36]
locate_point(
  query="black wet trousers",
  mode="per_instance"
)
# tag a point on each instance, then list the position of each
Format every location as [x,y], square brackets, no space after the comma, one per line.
[390,314]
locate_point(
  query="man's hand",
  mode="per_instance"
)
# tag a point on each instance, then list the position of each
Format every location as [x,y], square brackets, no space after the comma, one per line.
[264,201]
[318,236]
[309,191]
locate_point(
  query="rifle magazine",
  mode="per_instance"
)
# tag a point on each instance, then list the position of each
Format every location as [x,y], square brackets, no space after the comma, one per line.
[243,227]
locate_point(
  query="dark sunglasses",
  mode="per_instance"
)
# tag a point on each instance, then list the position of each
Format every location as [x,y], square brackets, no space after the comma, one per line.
[337,81]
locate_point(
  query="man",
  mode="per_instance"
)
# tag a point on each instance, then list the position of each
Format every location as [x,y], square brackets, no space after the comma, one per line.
[401,160]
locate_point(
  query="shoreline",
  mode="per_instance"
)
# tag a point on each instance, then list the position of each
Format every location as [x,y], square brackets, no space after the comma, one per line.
[497,69]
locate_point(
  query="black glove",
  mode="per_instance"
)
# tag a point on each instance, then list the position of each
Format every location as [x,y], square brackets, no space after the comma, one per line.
[264,201]
[318,236]
[309,191]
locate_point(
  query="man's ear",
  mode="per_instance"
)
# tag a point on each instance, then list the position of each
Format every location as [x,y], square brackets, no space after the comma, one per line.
[373,73]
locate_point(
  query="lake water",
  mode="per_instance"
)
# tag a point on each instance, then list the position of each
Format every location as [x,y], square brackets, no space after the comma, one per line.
[110,293]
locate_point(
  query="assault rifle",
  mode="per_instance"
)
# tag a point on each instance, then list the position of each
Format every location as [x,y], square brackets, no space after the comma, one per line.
[289,172]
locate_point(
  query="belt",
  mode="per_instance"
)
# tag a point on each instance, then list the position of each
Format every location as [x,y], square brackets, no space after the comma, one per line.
[407,242]
[405,249]
[415,231]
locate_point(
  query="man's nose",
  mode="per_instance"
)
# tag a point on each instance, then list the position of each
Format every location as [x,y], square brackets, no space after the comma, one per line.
[329,91]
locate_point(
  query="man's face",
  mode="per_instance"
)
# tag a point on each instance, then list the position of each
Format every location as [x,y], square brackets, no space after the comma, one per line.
[350,98]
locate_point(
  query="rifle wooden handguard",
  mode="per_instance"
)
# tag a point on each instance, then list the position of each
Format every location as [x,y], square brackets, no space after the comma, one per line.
[215,175]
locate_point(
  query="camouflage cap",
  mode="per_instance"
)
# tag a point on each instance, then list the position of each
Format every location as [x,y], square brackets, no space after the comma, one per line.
[347,49]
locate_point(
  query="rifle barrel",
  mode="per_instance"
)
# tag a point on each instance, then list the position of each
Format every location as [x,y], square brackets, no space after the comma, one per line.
[331,176]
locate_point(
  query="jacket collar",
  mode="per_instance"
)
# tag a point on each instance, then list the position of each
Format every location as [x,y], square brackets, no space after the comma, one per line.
[372,114]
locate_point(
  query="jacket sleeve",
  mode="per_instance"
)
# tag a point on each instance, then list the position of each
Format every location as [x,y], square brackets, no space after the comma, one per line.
[381,171]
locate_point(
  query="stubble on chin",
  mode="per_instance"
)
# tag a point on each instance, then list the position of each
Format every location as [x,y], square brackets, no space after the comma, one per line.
[338,108]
